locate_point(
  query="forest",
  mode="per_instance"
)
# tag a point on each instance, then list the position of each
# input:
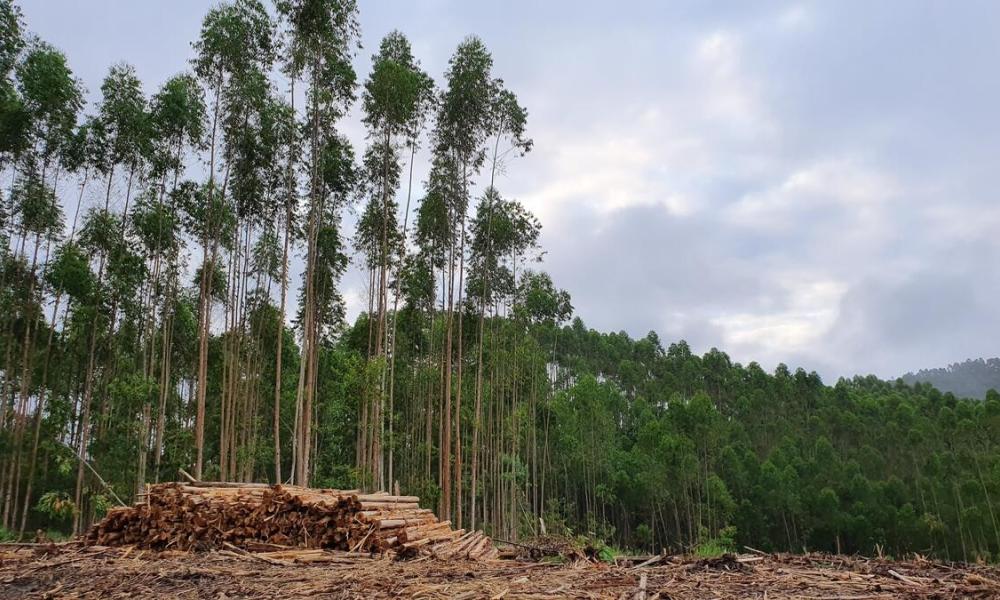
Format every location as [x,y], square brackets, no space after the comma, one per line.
[967,379]
[170,298]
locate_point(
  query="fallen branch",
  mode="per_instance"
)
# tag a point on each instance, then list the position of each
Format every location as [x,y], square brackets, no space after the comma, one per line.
[904,578]
[651,561]
[92,470]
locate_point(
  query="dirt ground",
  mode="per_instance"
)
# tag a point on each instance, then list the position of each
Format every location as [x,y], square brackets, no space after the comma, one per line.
[71,571]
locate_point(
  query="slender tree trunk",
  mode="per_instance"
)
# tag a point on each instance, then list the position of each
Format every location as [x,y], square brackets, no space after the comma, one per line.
[11,495]
[284,288]
[445,447]
[280,341]
[88,390]
[205,303]
[458,390]
[395,318]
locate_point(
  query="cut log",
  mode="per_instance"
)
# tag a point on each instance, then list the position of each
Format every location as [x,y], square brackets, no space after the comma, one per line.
[304,522]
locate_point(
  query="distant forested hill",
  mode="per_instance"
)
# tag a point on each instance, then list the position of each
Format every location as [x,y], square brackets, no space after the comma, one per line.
[969,379]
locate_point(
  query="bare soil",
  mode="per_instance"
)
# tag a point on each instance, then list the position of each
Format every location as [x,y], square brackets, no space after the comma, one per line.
[74,571]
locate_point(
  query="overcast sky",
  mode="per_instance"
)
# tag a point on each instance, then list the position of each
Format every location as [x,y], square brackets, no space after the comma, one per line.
[798,182]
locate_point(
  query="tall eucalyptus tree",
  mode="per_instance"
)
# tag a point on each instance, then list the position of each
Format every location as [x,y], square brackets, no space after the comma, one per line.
[507,124]
[43,112]
[46,110]
[237,39]
[460,134]
[287,211]
[68,275]
[501,230]
[396,97]
[123,124]
[323,38]
[39,118]
[251,154]
[178,114]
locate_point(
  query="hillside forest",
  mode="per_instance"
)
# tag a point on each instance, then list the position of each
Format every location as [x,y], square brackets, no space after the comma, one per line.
[973,378]
[171,299]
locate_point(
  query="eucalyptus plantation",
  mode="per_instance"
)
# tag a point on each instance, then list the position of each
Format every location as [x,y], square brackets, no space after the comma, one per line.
[150,248]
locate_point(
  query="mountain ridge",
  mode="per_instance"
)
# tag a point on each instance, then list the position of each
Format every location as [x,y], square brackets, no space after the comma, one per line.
[971,378]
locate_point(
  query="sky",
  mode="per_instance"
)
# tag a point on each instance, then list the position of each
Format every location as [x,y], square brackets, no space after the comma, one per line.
[808,183]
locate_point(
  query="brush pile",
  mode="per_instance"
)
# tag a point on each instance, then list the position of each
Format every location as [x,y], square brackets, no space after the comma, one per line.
[259,517]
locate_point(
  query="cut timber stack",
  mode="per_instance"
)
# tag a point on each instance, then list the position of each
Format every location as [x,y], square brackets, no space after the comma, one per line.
[259,517]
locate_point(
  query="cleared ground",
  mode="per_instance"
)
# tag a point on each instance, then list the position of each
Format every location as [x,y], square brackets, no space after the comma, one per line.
[71,571]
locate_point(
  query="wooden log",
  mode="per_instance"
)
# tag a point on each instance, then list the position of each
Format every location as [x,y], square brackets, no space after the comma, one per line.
[202,515]
[385,498]
[388,505]
[417,543]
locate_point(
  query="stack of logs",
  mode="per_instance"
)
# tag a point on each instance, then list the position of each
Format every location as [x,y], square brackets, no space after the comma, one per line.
[259,517]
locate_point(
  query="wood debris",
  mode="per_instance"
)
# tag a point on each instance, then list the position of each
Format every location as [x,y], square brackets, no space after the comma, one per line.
[259,517]
[103,572]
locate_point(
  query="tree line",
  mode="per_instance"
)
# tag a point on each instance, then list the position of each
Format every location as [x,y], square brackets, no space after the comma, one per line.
[153,320]
[972,378]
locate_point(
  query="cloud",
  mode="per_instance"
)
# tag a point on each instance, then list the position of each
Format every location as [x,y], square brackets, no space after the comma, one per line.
[806,311]
[789,181]
[833,184]
[795,18]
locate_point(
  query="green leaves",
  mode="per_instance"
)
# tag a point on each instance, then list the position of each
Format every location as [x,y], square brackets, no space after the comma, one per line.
[36,208]
[70,273]
[337,174]
[236,37]
[156,226]
[51,96]
[208,216]
[101,232]
[503,231]
[322,31]
[56,505]
[123,118]
[177,115]
[465,110]
[15,121]
[11,36]
[541,301]
[397,93]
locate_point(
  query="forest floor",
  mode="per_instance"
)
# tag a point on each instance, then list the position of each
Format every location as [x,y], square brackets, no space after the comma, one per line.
[70,571]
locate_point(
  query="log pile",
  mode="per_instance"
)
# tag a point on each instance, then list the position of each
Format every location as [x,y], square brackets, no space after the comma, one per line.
[261,518]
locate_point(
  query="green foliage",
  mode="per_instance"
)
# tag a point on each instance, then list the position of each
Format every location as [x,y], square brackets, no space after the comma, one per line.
[15,121]
[51,96]
[723,543]
[607,553]
[70,273]
[37,208]
[235,37]
[57,506]
[100,503]
[11,35]
[123,117]
[178,116]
